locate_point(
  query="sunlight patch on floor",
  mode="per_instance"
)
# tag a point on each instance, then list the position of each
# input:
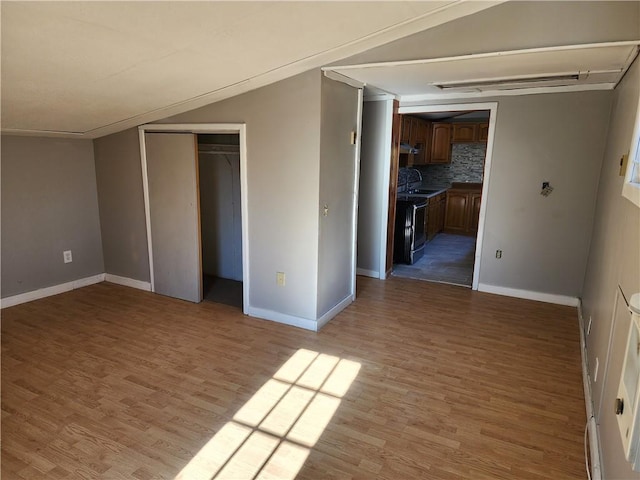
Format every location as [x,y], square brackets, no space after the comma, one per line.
[271,436]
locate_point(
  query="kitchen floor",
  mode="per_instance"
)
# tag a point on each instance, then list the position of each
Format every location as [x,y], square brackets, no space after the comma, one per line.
[447,259]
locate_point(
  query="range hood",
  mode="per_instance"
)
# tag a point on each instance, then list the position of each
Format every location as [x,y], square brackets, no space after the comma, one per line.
[407,148]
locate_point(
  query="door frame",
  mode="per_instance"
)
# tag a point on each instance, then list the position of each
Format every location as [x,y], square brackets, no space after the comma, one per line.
[493,112]
[201,128]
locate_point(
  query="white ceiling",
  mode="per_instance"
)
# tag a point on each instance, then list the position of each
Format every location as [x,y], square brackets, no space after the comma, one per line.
[92,68]
[592,66]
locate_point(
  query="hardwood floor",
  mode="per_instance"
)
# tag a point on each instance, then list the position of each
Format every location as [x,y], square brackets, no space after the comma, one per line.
[108,382]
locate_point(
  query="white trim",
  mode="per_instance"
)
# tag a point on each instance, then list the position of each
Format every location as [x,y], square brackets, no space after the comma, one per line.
[631,190]
[192,127]
[282,318]
[486,182]
[128,282]
[367,273]
[241,130]
[594,440]
[356,193]
[529,295]
[324,319]
[504,53]
[49,291]
[244,213]
[338,77]
[384,191]
[378,97]
[506,93]
[145,193]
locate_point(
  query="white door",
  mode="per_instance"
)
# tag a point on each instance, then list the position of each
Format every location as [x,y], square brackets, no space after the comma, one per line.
[174,214]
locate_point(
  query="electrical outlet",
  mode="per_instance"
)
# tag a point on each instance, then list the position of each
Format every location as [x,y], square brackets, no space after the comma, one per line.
[595,371]
[66,256]
[589,326]
[498,253]
[280,279]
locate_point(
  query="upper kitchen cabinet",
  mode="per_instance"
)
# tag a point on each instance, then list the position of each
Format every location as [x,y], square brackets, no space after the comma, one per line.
[423,142]
[441,143]
[465,132]
[405,129]
[470,132]
[483,132]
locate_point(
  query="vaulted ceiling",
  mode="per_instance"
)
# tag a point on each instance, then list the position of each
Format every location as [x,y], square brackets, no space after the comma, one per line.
[88,69]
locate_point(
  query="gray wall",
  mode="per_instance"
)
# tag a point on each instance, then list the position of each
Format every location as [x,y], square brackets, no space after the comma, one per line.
[374,180]
[557,138]
[339,112]
[121,202]
[283,144]
[49,204]
[614,259]
[220,214]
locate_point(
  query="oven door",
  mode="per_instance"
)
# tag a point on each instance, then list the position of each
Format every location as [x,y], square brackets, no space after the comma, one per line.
[419,222]
[418,237]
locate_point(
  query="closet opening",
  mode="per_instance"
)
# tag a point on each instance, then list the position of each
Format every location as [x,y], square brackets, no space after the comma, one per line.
[220,218]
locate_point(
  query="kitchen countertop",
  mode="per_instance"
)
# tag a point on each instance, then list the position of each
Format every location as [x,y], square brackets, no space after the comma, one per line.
[407,196]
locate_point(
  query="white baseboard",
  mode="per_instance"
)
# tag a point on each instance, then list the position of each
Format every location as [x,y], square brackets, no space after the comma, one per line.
[324,319]
[529,295]
[49,291]
[283,318]
[594,436]
[128,282]
[367,273]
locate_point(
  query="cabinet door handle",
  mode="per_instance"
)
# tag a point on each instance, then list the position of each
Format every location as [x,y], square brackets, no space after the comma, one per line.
[619,406]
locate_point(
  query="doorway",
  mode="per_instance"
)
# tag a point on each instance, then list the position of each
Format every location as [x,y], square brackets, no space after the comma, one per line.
[448,177]
[220,218]
[454,181]
[194,178]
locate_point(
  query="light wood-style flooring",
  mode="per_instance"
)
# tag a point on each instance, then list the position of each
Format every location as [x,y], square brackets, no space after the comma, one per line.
[107,382]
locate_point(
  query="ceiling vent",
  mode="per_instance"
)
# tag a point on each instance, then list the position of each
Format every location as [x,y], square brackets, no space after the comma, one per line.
[512,83]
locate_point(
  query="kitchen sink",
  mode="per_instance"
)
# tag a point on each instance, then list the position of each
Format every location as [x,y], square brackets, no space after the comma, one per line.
[427,192]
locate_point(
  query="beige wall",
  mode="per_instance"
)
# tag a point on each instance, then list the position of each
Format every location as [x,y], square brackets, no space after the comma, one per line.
[49,204]
[614,260]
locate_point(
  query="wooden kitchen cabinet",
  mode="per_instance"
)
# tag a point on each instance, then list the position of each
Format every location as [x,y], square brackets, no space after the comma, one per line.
[475,213]
[465,133]
[405,130]
[483,132]
[440,143]
[470,132]
[423,137]
[435,217]
[413,134]
[463,209]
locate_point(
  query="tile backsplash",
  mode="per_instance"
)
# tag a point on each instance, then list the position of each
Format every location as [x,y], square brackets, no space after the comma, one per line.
[467,165]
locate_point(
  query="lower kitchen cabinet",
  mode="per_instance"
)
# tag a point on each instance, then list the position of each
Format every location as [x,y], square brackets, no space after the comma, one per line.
[435,217]
[463,209]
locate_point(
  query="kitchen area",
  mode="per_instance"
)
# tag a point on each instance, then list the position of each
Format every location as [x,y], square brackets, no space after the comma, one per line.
[439,190]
